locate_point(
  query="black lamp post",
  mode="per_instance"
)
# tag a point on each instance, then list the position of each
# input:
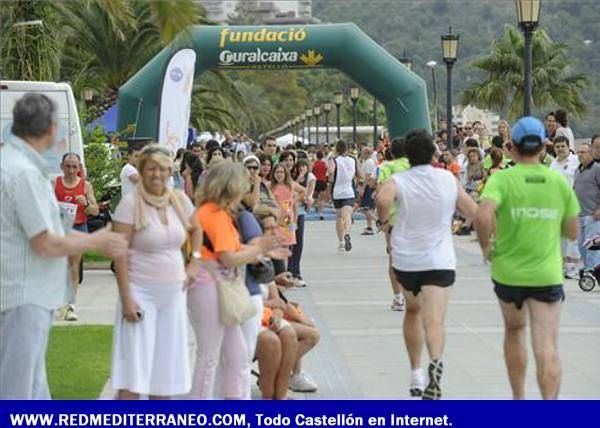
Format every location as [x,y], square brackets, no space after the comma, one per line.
[326,110]
[295,128]
[354,99]
[309,114]
[432,64]
[374,122]
[449,48]
[303,123]
[338,98]
[317,114]
[407,61]
[528,13]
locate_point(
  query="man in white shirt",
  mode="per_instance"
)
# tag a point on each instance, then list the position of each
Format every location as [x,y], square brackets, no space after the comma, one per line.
[367,201]
[341,172]
[33,262]
[423,256]
[567,163]
[129,176]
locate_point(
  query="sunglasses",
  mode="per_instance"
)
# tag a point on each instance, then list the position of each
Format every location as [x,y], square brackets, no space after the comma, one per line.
[254,167]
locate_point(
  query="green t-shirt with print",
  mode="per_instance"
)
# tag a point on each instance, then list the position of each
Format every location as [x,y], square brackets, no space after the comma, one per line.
[386,171]
[532,202]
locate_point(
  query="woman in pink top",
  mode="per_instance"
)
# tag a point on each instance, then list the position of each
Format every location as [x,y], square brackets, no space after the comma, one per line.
[150,353]
[283,187]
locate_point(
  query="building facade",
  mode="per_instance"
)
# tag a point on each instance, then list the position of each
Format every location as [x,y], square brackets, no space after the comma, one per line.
[260,11]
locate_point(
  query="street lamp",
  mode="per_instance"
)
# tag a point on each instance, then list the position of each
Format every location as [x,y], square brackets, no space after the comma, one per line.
[309,114]
[88,95]
[449,48]
[338,97]
[303,123]
[528,13]
[327,109]
[374,122]
[317,113]
[407,61]
[432,64]
[354,99]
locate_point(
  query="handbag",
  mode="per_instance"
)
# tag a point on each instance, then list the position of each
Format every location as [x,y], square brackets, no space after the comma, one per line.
[235,304]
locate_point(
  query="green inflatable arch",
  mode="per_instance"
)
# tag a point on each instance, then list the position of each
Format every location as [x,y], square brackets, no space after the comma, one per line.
[341,46]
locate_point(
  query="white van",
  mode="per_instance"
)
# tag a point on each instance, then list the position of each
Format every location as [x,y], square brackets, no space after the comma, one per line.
[69,130]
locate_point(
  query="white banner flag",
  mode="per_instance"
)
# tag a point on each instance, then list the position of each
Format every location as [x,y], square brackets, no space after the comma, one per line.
[176,100]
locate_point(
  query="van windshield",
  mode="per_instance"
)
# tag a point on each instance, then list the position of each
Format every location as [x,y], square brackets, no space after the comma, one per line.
[63,144]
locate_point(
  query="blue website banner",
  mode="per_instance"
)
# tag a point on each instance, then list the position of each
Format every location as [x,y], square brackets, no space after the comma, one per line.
[258,414]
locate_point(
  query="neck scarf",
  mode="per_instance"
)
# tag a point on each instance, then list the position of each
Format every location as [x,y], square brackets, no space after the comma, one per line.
[169,197]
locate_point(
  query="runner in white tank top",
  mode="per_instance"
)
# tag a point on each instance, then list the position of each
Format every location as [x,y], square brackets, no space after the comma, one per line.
[341,172]
[423,255]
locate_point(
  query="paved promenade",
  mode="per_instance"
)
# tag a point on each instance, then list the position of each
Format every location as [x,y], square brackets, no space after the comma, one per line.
[362,352]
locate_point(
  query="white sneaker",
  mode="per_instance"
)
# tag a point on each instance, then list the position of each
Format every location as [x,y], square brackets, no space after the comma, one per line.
[397,303]
[299,283]
[572,273]
[70,314]
[417,382]
[341,247]
[301,382]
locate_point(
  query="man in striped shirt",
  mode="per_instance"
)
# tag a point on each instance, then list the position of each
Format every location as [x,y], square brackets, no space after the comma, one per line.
[33,250]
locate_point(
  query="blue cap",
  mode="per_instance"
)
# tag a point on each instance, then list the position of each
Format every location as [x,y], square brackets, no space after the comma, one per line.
[529,132]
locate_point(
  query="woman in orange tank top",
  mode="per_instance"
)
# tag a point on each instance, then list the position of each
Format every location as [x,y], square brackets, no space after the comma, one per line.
[73,189]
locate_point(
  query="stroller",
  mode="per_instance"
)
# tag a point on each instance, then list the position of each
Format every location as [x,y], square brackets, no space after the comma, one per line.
[588,279]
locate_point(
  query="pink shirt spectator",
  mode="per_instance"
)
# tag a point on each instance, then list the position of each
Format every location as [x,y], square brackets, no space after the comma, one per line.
[287,224]
[154,254]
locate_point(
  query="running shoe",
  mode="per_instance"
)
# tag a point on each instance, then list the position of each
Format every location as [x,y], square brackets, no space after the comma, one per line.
[347,242]
[434,390]
[301,382]
[341,247]
[397,303]
[299,283]
[70,314]
[417,382]
[368,231]
[572,273]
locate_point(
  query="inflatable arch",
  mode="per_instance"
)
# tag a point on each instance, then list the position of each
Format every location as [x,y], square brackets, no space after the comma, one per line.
[341,46]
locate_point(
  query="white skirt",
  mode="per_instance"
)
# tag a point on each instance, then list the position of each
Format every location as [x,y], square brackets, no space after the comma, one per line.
[151,356]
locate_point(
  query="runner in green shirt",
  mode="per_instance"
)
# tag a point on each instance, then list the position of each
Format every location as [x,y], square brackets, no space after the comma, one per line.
[530,207]
[399,164]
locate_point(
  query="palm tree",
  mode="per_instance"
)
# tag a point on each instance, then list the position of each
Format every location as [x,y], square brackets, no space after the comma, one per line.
[30,48]
[109,41]
[503,88]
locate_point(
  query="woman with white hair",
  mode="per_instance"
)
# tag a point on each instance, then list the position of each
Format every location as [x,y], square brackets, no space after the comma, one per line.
[150,354]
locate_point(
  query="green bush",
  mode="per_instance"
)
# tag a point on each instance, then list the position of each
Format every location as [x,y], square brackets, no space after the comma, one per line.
[102,164]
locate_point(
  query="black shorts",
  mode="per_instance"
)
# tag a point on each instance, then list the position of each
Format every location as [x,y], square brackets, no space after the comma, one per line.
[413,281]
[518,295]
[320,186]
[340,203]
[367,200]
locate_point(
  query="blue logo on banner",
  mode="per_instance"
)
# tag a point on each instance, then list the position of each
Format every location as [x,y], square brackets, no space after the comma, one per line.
[176,74]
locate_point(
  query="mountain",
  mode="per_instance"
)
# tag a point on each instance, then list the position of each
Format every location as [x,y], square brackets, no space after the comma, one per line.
[413,27]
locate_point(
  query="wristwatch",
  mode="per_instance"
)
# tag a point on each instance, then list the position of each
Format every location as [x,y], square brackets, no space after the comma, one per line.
[196,255]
